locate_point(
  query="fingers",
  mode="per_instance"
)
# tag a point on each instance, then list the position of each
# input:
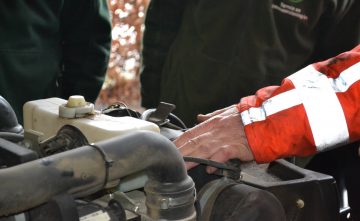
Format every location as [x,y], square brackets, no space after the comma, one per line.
[199,147]
[220,138]
[191,139]
[204,117]
[193,132]
[222,155]
[187,136]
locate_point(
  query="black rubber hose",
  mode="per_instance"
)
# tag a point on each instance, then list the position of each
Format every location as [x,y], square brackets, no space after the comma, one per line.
[83,171]
[13,137]
[8,119]
[149,151]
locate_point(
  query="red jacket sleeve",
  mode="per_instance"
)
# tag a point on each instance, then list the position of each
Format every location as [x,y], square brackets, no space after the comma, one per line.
[315,109]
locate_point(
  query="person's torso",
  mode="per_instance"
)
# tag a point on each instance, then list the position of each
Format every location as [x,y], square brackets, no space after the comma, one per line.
[29,49]
[228,49]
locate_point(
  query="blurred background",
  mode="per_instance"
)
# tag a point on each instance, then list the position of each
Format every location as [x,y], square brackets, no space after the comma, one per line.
[122,79]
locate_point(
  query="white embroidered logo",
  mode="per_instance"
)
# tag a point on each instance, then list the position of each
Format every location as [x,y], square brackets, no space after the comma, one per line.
[290,10]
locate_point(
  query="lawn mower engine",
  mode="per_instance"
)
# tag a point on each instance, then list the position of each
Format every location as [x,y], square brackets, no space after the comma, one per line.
[71,163]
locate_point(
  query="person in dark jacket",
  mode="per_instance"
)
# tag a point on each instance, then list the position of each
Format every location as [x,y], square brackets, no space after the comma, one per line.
[52,48]
[203,55]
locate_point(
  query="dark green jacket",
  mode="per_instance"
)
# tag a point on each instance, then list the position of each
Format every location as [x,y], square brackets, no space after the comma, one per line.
[203,55]
[52,48]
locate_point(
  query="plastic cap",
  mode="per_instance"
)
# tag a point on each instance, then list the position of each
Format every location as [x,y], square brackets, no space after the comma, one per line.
[76,101]
[76,107]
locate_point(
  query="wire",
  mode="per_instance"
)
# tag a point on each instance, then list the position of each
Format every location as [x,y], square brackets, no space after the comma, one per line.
[178,121]
[121,106]
[210,163]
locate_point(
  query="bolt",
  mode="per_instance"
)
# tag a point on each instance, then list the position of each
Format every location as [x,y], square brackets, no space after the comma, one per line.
[300,203]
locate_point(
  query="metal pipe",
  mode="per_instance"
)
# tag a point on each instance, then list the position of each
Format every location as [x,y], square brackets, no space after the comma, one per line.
[88,169]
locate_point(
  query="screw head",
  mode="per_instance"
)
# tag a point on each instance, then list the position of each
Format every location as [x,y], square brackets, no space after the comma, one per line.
[300,203]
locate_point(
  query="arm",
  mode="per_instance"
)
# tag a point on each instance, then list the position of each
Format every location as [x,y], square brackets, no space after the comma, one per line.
[86,29]
[163,20]
[313,110]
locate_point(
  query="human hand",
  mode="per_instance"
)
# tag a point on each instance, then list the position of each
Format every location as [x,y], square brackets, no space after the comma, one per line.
[219,138]
[222,112]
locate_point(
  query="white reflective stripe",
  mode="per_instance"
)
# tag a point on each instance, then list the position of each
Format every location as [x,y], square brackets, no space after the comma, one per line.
[322,106]
[347,78]
[323,109]
[271,106]
[252,114]
[281,102]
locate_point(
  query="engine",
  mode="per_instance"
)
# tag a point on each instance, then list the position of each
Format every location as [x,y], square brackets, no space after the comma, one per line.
[70,162]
